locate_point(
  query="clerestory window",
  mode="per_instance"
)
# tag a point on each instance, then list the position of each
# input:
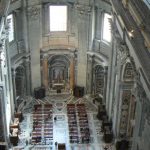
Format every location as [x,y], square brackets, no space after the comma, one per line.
[107,28]
[58,18]
[10,21]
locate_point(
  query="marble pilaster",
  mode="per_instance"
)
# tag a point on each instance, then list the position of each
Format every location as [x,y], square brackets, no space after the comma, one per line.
[45,71]
[14,86]
[34,16]
[28,79]
[72,72]
[90,74]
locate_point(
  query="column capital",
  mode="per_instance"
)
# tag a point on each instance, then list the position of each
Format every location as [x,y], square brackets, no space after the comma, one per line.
[72,54]
[45,70]
[33,12]
[45,56]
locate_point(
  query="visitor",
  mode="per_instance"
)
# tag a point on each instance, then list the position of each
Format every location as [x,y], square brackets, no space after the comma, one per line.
[26,142]
[55,119]
[56,144]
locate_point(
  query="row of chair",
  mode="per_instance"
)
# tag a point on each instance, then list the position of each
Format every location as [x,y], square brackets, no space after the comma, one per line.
[72,122]
[42,124]
[83,123]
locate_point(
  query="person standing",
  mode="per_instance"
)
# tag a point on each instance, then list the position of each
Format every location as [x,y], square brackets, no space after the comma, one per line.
[55,119]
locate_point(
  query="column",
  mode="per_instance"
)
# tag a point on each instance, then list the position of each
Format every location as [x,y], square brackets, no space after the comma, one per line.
[72,82]
[83,45]
[34,16]
[105,83]
[90,74]
[14,86]
[45,71]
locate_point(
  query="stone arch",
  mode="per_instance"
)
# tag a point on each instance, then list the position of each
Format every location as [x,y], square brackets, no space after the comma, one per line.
[52,57]
[128,98]
[58,66]
[128,70]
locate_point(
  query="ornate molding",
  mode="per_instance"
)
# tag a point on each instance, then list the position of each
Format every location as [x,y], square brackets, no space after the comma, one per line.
[45,56]
[83,9]
[90,58]
[33,13]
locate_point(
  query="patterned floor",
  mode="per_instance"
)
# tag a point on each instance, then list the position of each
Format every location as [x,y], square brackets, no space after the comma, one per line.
[60,128]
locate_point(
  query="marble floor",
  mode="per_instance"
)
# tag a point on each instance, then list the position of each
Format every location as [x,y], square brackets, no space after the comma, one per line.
[60,127]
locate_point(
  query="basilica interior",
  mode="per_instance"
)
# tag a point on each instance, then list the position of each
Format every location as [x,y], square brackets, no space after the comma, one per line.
[74,74]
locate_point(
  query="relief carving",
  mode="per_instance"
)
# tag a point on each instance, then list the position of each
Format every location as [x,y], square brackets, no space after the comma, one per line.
[83,9]
[33,13]
[124,53]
